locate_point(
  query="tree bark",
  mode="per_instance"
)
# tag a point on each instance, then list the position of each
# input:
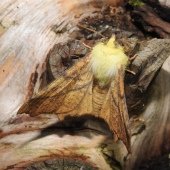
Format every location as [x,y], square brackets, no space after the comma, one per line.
[153,140]
[25,145]
[153,17]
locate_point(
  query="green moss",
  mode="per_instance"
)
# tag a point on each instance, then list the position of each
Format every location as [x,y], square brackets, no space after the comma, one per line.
[136,2]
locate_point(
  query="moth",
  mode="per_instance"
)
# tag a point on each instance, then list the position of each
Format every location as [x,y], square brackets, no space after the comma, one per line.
[94,85]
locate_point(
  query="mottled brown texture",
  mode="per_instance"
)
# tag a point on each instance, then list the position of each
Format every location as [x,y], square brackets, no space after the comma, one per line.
[77,93]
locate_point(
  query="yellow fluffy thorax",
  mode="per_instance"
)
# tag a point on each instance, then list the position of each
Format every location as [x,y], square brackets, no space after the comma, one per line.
[106,60]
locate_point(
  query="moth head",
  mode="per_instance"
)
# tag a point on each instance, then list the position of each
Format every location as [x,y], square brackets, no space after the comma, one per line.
[106,59]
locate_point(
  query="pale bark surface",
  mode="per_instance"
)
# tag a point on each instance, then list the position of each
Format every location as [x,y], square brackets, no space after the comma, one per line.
[24,143]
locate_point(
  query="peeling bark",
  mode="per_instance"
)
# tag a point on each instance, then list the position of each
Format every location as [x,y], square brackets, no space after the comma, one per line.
[153,140]
[153,19]
[150,57]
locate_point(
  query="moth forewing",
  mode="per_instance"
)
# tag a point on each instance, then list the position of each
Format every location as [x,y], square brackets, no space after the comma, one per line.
[64,95]
[78,100]
[95,88]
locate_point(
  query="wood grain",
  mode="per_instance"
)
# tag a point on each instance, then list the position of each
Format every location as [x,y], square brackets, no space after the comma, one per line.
[154,139]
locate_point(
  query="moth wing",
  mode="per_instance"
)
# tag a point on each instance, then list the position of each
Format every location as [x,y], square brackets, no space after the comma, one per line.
[114,110]
[71,94]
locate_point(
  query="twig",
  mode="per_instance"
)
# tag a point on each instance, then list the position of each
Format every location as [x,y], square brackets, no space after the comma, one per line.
[87,45]
[89,29]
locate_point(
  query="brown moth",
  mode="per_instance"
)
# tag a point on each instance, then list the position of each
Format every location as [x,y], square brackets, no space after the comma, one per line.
[94,85]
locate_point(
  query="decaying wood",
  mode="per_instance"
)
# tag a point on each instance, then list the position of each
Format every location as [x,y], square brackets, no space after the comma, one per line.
[150,129]
[28,140]
[151,56]
[161,7]
[150,59]
[20,150]
[150,20]
[153,140]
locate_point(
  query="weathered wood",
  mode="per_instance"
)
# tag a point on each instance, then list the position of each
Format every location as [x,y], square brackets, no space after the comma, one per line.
[151,20]
[27,141]
[151,56]
[153,139]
